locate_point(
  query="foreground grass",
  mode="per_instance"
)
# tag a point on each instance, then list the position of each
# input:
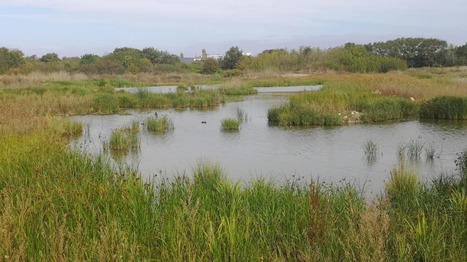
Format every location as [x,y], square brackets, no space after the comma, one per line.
[60,205]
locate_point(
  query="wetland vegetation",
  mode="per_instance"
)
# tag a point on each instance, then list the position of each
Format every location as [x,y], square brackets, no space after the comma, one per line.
[159,124]
[230,124]
[60,204]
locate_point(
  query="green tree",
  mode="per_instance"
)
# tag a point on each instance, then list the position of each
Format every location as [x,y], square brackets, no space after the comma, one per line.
[355,58]
[210,66]
[107,65]
[71,64]
[10,59]
[50,58]
[417,52]
[158,57]
[88,59]
[126,56]
[461,54]
[231,58]
[204,54]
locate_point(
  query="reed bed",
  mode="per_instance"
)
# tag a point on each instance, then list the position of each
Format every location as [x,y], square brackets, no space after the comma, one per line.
[445,107]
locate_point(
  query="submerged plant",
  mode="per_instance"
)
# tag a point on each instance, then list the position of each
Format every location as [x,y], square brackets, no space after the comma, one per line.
[430,152]
[370,148]
[414,149]
[242,116]
[461,161]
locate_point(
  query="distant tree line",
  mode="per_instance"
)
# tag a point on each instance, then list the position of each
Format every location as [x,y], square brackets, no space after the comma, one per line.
[421,52]
[397,54]
[121,60]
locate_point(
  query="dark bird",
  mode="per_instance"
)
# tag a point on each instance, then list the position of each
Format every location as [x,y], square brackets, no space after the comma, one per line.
[155,114]
[203,122]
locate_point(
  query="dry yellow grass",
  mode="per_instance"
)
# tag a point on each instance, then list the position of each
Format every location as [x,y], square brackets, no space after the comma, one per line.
[37,78]
[420,84]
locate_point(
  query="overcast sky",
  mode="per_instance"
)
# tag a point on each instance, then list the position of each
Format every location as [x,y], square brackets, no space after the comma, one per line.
[74,28]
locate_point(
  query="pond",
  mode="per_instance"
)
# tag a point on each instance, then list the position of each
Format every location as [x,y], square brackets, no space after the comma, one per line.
[333,154]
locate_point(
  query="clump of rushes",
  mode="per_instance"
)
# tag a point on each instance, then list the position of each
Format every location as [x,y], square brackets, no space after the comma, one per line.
[231,124]
[123,139]
[445,107]
[403,184]
[159,124]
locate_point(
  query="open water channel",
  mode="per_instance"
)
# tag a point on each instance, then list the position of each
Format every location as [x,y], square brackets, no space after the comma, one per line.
[331,154]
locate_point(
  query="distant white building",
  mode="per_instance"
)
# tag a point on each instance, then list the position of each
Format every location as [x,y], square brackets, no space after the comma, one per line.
[217,57]
[199,58]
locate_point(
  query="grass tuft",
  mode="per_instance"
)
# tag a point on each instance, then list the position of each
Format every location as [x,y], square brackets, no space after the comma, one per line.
[230,124]
[159,124]
[123,139]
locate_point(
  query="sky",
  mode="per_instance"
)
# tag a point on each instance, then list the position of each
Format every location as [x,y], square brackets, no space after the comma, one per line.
[77,27]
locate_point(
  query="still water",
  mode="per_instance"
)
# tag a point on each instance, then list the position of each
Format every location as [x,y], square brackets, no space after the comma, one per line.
[333,154]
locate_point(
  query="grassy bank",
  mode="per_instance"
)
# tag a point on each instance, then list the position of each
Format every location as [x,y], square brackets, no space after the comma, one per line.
[369,98]
[336,106]
[61,205]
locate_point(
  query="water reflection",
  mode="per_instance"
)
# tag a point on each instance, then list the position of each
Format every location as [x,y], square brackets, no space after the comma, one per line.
[328,153]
